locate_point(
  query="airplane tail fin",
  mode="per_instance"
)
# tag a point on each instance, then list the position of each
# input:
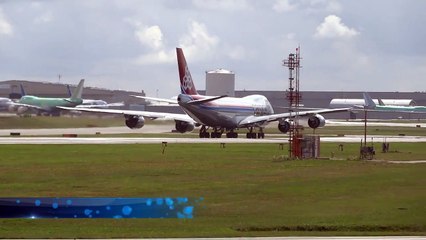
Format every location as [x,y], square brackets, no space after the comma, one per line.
[22,90]
[69,90]
[186,84]
[368,101]
[78,92]
[381,103]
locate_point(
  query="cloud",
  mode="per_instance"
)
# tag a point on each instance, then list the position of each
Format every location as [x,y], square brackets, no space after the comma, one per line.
[331,6]
[198,43]
[150,36]
[332,27]
[44,18]
[222,5]
[157,57]
[283,6]
[5,27]
[237,53]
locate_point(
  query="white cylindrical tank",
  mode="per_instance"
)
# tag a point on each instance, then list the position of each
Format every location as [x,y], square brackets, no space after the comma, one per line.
[220,82]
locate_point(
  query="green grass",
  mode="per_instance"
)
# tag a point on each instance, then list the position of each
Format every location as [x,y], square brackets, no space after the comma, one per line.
[248,190]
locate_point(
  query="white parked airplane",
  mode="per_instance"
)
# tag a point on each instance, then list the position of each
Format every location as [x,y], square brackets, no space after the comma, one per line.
[219,113]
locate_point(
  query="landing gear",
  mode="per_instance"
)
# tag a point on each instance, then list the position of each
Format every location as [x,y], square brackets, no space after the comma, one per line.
[254,135]
[217,133]
[203,132]
[251,134]
[261,134]
[232,134]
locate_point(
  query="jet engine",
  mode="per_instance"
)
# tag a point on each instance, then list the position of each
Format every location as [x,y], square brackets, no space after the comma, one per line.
[134,122]
[314,121]
[21,110]
[183,127]
[284,126]
[12,108]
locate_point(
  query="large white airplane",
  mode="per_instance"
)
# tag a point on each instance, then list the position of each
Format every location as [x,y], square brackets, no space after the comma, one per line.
[219,113]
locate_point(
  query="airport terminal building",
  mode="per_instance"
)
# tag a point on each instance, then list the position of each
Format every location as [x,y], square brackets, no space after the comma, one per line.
[310,99]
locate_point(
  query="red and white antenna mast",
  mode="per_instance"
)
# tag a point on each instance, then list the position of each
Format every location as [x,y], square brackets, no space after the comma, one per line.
[293,98]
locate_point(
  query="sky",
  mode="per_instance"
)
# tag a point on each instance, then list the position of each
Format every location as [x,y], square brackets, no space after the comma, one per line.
[130,44]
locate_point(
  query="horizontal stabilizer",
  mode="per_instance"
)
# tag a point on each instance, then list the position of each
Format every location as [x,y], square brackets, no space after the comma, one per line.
[171,101]
[200,101]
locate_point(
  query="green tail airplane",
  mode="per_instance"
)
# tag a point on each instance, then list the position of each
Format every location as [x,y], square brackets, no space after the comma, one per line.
[371,106]
[48,105]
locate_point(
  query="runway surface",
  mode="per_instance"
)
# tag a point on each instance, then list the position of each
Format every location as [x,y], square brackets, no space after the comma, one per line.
[375,123]
[178,138]
[149,140]
[103,130]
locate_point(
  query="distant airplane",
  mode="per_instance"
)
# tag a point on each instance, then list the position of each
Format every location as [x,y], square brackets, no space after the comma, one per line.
[350,102]
[221,113]
[168,102]
[370,105]
[5,104]
[45,105]
[95,103]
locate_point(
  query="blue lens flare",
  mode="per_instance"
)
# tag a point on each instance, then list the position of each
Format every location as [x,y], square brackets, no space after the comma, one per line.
[36,208]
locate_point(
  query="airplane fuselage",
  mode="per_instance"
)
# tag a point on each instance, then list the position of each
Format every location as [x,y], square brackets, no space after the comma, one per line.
[49,103]
[225,112]
[413,109]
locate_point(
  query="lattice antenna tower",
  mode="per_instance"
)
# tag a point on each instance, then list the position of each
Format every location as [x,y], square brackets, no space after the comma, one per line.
[293,98]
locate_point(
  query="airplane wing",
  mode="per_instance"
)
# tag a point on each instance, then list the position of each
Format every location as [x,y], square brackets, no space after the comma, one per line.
[28,106]
[251,120]
[171,101]
[390,110]
[146,114]
[117,104]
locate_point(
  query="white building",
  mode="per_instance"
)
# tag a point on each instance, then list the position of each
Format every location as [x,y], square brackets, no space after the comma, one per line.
[220,82]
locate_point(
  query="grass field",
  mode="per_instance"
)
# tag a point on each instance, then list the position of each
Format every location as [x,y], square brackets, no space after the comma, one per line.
[248,190]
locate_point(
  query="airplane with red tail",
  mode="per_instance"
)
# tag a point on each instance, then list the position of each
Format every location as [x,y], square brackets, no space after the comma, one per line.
[219,114]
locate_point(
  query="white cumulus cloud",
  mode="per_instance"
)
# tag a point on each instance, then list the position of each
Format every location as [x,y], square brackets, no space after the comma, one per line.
[150,36]
[198,43]
[332,27]
[5,27]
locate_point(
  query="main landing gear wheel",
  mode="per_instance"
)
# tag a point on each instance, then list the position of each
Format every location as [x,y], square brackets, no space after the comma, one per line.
[251,135]
[232,134]
[217,133]
[254,135]
[204,133]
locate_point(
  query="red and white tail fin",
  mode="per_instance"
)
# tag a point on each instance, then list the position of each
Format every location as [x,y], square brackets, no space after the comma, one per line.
[186,84]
